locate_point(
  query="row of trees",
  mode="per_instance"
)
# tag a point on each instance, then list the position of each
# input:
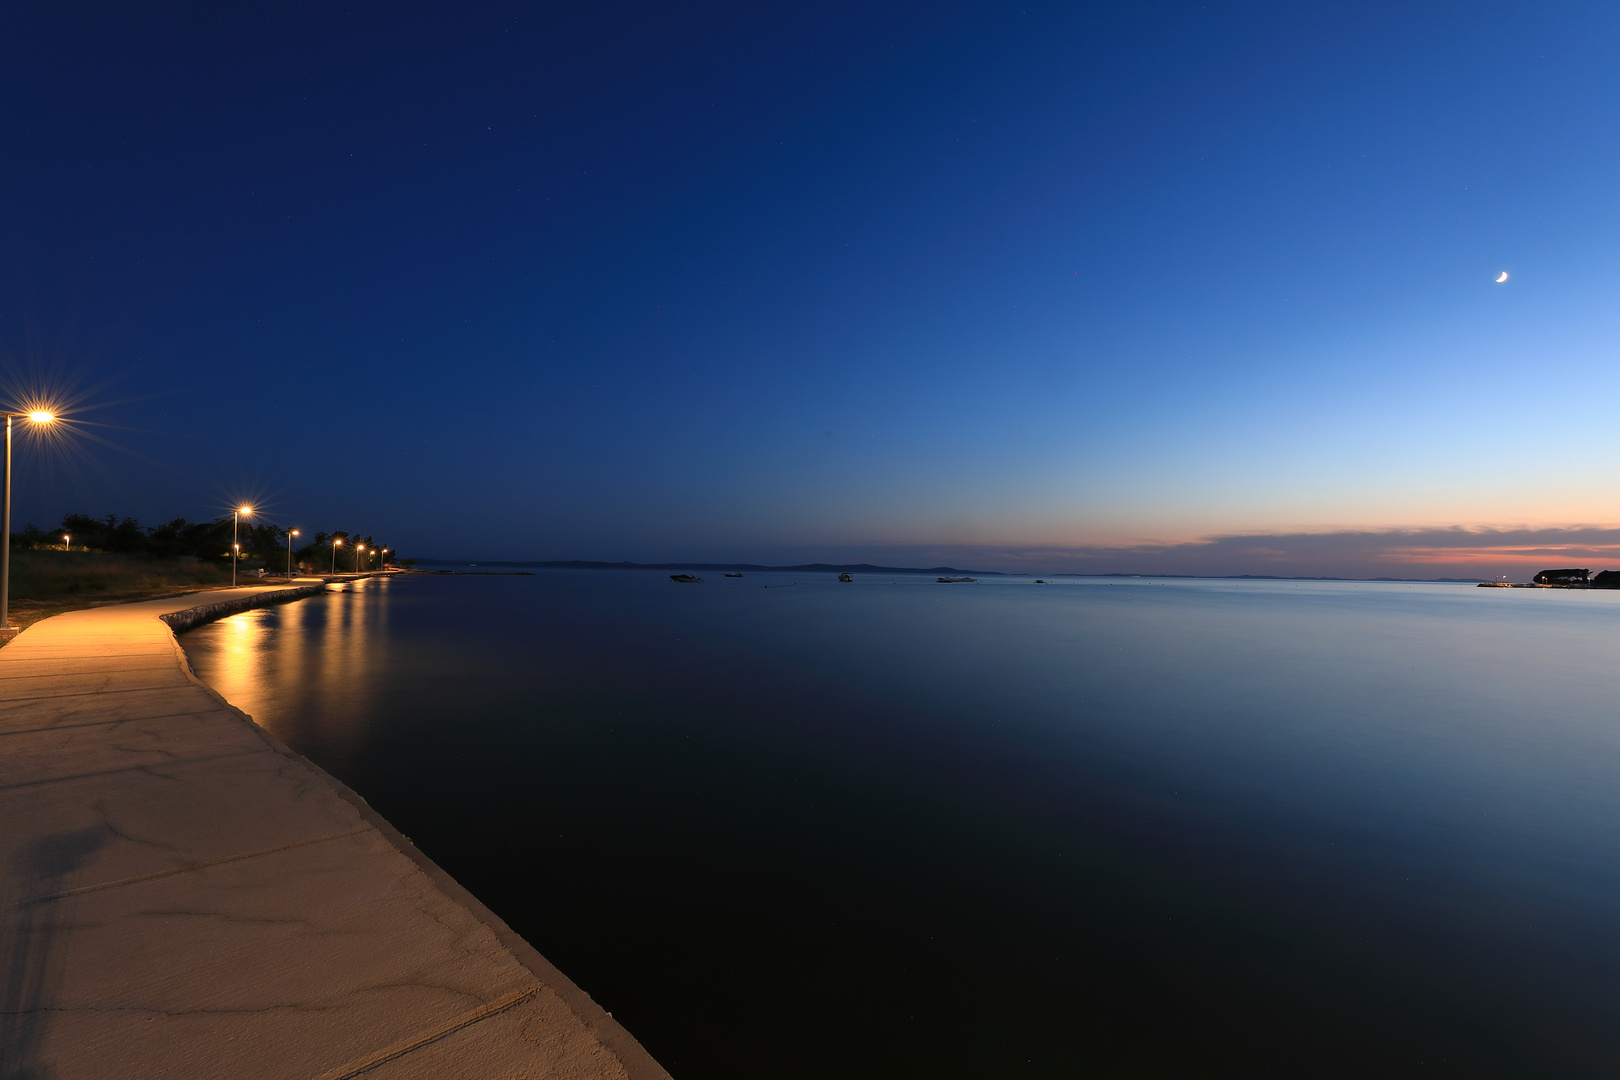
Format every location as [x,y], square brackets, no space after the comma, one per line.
[207,541]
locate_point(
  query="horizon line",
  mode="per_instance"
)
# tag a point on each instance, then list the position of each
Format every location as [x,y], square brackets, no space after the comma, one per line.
[592,564]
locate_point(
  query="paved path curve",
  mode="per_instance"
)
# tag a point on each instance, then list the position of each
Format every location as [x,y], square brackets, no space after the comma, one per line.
[185,897]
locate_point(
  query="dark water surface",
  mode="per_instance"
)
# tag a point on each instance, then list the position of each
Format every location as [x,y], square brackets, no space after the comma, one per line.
[1127,828]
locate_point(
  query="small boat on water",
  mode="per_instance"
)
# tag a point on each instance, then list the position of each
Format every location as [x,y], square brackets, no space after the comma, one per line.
[730,574]
[955,580]
[1038,581]
[846,577]
[684,578]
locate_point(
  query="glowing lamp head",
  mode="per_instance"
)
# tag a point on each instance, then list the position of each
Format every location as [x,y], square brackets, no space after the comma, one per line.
[337,542]
[40,416]
[244,510]
[293,533]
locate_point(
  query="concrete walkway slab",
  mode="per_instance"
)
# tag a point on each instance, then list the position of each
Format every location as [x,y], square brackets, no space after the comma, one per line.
[87,682]
[185,897]
[47,754]
[76,709]
[79,665]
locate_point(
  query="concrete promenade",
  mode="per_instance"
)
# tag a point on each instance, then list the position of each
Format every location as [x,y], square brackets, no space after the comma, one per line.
[185,897]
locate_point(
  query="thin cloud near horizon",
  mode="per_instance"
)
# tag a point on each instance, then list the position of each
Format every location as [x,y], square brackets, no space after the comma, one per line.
[1454,551]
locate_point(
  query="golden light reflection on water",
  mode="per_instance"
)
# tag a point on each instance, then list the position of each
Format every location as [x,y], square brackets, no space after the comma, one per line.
[303,665]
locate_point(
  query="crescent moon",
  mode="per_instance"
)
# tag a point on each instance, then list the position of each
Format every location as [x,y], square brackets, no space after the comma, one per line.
[1501,277]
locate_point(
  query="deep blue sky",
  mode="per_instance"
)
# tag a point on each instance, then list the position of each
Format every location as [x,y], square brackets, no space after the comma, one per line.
[889,281]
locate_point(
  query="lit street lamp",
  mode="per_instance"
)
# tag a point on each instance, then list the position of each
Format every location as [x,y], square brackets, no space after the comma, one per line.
[337,542]
[357,550]
[38,416]
[382,559]
[290,534]
[236,549]
[67,541]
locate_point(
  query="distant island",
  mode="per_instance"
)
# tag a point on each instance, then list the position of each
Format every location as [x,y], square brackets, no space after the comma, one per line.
[1563,579]
[808,568]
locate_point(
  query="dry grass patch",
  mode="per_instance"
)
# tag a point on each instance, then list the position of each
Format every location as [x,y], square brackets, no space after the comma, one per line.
[46,583]
[48,575]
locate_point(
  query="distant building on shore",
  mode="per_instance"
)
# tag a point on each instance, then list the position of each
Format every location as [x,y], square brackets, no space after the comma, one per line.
[1606,579]
[1563,577]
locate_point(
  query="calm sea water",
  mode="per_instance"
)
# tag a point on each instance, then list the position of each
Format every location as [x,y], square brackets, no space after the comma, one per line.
[900,829]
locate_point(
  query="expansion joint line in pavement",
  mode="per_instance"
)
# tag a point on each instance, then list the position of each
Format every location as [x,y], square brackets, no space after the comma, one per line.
[96,723]
[433,1034]
[93,693]
[188,868]
[167,666]
[144,766]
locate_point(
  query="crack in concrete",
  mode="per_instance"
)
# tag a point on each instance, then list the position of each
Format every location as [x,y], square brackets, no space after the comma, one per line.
[100,808]
[210,1011]
[109,723]
[139,878]
[72,674]
[225,917]
[100,693]
[147,767]
[419,984]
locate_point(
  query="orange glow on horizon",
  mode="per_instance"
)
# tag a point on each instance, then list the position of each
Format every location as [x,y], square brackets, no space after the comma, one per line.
[1497,554]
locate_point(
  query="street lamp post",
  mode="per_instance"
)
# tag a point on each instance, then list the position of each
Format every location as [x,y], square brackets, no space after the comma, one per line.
[290,534]
[38,416]
[67,541]
[382,559]
[236,549]
[337,542]
[358,548]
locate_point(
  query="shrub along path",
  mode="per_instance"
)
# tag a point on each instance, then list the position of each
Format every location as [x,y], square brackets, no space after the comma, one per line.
[185,897]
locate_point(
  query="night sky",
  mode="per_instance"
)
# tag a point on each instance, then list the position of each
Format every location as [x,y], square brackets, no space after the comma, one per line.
[1061,286]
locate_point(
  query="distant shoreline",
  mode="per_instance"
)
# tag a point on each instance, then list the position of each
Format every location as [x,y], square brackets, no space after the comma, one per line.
[835,568]
[869,568]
